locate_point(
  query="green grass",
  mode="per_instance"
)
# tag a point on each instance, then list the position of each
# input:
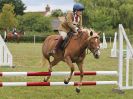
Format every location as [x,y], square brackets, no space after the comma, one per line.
[28,57]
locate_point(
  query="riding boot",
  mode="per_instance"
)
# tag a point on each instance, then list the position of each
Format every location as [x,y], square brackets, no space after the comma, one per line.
[64,42]
[58,45]
[69,34]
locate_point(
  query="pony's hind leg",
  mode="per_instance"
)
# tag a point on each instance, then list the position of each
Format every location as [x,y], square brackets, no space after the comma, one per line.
[51,64]
[80,66]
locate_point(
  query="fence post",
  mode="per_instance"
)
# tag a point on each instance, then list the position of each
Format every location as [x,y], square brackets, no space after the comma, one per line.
[34,39]
[120,59]
[110,39]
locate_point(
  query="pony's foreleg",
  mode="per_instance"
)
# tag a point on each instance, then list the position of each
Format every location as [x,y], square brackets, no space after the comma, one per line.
[80,66]
[51,64]
[49,70]
[69,62]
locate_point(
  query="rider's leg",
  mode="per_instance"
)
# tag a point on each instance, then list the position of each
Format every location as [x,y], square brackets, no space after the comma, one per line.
[15,33]
[66,39]
[63,34]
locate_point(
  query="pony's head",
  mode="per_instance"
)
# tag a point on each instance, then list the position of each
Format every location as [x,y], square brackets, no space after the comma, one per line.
[93,42]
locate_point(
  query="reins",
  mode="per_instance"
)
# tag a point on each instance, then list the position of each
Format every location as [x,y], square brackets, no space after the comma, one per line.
[79,36]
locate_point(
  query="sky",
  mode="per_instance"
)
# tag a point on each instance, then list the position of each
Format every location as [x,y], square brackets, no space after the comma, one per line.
[39,5]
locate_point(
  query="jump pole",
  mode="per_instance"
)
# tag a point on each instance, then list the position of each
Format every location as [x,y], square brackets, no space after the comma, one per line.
[4,74]
[87,83]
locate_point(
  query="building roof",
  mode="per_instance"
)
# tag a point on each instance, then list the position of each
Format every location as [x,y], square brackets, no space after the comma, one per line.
[56,22]
[61,19]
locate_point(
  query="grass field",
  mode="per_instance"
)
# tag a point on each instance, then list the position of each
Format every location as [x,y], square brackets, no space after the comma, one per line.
[28,57]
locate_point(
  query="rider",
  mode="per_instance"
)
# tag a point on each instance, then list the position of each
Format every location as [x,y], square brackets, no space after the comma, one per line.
[14,31]
[71,24]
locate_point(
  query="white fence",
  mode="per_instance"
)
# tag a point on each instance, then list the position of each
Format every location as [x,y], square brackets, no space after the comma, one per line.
[5,54]
[114,49]
[125,66]
[103,45]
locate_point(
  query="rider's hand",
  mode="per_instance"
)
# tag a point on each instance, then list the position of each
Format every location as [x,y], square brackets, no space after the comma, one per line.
[79,31]
[75,33]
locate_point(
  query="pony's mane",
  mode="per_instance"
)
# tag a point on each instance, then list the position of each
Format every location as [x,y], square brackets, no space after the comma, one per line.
[89,30]
[86,30]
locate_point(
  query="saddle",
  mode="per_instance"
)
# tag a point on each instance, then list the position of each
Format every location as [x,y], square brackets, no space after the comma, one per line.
[62,44]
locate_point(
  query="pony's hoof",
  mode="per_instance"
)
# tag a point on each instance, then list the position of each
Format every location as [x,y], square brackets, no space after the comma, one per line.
[65,81]
[44,80]
[77,90]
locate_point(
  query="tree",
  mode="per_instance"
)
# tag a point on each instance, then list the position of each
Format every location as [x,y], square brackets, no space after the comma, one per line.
[19,6]
[34,22]
[76,0]
[105,14]
[7,17]
[57,13]
[126,12]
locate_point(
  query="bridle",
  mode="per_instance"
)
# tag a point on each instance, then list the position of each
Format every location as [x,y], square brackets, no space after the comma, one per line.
[91,49]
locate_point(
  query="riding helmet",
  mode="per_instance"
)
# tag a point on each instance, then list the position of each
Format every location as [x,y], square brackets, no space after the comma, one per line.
[78,7]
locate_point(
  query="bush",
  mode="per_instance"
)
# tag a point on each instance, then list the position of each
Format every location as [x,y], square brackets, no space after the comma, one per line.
[30,39]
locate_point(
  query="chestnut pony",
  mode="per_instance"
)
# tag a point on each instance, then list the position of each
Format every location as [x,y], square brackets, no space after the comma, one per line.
[74,52]
[10,36]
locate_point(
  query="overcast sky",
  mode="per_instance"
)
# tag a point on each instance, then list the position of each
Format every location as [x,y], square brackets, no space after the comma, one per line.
[39,5]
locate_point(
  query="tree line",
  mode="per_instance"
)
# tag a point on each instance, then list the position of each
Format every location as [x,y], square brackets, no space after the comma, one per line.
[12,16]
[105,15]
